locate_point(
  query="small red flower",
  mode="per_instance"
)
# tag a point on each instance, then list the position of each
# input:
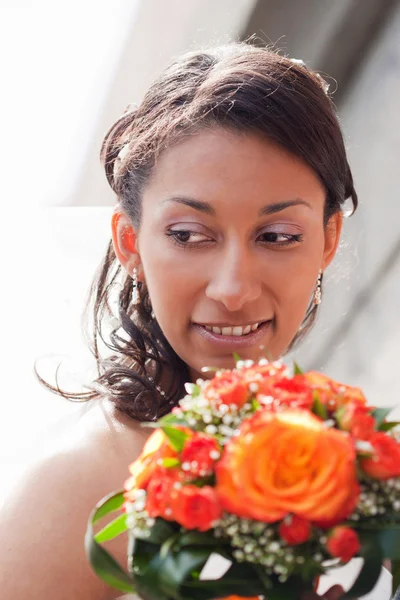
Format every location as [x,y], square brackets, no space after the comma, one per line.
[343,543]
[200,451]
[227,387]
[160,488]
[294,530]
[294,392]
[385,463]
[194,507]
[357,419]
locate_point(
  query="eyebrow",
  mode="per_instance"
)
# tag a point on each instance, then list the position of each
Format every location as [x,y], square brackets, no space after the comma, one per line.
[206,208]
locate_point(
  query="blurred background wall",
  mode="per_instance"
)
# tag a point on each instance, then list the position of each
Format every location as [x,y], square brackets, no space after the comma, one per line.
[71,69]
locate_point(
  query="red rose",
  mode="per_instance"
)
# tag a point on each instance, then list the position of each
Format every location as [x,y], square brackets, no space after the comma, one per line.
[343,543]
[294,392]
[194,507]
[227,387]
[363,426]
[200,451]
[356,419]
[294,530]
[385,463]
[160,488]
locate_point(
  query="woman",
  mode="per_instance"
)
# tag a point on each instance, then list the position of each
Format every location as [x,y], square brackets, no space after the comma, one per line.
[230,177]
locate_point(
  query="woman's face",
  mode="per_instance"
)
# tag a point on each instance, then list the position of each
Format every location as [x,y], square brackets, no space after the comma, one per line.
[232,236]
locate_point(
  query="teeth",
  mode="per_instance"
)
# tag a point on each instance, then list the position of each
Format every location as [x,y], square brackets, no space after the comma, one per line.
[236,331]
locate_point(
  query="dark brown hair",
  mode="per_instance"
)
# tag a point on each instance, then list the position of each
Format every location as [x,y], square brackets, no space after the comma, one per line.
[239,87]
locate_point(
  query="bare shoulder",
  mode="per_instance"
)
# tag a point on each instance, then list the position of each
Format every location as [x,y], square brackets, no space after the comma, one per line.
[44,519]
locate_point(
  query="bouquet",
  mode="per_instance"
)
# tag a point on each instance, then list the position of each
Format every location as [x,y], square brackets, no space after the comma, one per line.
[282,474]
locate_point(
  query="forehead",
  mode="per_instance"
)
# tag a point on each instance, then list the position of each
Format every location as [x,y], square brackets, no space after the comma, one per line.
[215,163]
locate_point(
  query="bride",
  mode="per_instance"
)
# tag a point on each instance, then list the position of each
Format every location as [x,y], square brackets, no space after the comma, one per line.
[230,176]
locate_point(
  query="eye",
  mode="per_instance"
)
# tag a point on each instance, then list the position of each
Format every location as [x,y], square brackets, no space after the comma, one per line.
[280,239]
[182,237]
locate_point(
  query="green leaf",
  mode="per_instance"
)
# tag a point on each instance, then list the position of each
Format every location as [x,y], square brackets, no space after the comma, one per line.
[296,369]
[391,522]
[318,408]
[368,576]
[236,357]
[241,579]
[380,415]
[112,530]
[389,540]
[197,538]
[167,545]
[170,461]
[172,419]
[294,588]
[388,425]
[108,504]
[142,552]
[395,575]
[263,576]
[255,405]
[160,532]
[245,579]
[163,577]
[176,437]
[107,568]
[103,564]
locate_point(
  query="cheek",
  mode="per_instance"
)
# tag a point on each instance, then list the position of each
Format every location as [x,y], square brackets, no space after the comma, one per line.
[293,288]
[172,283]
[295,300]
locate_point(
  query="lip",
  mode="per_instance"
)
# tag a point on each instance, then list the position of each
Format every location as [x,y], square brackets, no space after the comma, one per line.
[233,341]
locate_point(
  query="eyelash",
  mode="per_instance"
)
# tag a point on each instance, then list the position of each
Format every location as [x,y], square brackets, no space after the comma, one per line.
[290,238]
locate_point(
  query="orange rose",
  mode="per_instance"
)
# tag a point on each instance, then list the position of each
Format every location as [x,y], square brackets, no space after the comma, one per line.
[228,387]
[143,467]
[288,462]
[385,463]
[333,393]
[195,507]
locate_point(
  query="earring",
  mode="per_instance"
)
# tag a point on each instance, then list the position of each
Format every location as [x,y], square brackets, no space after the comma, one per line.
[135,289]
[317,291]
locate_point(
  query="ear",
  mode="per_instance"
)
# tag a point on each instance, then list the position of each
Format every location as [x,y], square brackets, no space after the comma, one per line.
[125,242]
[332,238]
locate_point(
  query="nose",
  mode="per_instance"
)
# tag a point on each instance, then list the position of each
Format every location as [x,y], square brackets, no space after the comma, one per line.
[234,282]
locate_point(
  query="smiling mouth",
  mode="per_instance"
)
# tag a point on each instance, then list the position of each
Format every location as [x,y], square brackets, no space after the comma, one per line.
[236,331]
